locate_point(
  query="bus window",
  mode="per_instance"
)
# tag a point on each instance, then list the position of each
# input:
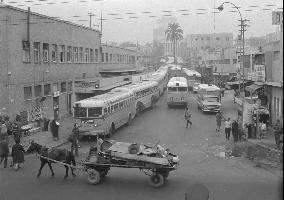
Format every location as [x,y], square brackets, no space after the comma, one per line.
[112,108]
[116,107]
[120,105]
[108,109]
[95,112]
[172,89]
[182,89]
[80,112]
[105,111]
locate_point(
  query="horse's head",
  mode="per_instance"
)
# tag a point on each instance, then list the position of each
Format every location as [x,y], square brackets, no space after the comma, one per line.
[34,147]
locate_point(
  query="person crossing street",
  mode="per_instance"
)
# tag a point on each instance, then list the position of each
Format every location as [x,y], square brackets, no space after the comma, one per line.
[187,116]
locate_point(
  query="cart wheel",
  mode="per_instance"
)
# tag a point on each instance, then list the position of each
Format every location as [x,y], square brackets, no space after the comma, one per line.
[156,180]
[94,176]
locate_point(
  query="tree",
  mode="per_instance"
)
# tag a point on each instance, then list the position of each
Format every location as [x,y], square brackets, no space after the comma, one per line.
[174,34]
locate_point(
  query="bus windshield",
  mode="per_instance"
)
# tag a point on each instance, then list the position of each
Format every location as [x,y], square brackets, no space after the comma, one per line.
[172,89]
[182,89]
[212,99]
[80,112]
[95,112]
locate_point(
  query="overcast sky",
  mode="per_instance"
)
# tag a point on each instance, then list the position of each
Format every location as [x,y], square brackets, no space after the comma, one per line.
[141,28]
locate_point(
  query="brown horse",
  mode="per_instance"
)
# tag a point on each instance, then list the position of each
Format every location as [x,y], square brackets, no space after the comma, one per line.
[62,155]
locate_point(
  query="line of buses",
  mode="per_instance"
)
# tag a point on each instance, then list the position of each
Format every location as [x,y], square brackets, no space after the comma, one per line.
[103,114]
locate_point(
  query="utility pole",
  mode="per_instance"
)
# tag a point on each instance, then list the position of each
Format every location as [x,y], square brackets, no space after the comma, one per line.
[101,22]
[243,26]
[91,15]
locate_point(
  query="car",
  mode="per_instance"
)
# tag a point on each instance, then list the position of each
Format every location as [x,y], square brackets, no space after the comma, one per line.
[195,87]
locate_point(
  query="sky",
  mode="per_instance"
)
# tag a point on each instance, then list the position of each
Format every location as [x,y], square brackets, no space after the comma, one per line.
[119,24]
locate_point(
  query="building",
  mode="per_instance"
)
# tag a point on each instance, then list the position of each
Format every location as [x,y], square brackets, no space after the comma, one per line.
[210,41]
[48,64]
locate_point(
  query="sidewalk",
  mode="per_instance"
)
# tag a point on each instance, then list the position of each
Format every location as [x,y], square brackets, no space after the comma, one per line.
[268,142]
[45,137]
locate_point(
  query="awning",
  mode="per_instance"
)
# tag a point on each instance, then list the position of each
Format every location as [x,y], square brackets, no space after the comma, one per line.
[252,88]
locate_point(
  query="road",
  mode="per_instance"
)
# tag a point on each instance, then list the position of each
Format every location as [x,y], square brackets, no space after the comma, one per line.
[198,147]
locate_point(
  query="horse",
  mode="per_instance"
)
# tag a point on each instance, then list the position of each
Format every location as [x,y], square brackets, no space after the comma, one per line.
[61,155]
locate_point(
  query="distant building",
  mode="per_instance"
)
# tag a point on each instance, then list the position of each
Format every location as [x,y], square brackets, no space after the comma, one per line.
[209,41]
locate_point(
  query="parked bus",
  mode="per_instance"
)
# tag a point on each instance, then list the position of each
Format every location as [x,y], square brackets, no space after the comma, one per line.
[161,78]
[177,91]
[209,98]
[193,77]
[102,114]
[146,94]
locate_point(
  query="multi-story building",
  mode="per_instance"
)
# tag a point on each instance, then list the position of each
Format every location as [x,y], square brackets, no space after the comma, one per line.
[209,41]
[44,59]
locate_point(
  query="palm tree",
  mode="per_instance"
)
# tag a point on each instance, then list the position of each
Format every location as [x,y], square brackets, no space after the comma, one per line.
[174,34]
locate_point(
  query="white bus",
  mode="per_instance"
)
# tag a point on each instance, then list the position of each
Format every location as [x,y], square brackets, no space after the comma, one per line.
[102,114]
[161,78]
[193,77]
[146,94]
[177,91]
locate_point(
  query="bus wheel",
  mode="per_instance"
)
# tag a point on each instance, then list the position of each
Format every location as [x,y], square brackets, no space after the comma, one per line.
[129,120]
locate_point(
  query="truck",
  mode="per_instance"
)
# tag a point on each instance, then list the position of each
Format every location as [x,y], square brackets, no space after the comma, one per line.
[209,98]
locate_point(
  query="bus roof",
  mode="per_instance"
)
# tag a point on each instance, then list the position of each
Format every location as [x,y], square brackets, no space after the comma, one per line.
[105,99]
[138,86]
[177,81]
[175,67]
[190,72]
[208,87]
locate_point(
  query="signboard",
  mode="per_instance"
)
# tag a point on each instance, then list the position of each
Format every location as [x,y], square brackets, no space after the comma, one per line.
[277,17]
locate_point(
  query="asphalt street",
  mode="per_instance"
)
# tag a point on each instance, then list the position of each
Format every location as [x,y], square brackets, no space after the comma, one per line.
[198,147]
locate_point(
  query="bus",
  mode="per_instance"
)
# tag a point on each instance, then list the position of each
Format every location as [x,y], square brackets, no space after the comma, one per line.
[103,114]
[146,94]
[193,78]
[209,98]
[161,78]
[177,91]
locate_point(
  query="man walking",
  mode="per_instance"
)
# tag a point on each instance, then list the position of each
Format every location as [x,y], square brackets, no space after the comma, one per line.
[187,116]
[228,128]
[235,128]
[277,133]
[218,121]
[75,137]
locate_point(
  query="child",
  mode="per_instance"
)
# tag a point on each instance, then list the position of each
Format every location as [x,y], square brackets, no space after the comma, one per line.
[17,154]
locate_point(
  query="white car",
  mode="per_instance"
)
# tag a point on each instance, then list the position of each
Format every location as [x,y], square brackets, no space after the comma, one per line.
[195,87]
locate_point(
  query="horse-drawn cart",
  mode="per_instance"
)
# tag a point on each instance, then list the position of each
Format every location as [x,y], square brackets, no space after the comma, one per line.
[156,162]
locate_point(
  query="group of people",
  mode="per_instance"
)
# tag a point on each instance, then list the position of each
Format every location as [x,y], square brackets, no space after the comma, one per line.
[17,152]
[230,126]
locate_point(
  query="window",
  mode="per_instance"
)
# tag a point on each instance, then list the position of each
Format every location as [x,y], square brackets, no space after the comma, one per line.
[69,54]
[95,112]
[62,53]
[110,57]
[106,57]
[201,38]
[79,111]
[26,51]
[227,38]
[45,52]
[217,38]
[37,90]
[63,87]
[81,54]
[96,55]
[36,52]
[277,107]
[115,107]
[120,105]
[55,87]
[46,90]
[54,53]
[208,38]
[69,88]
[172,89]
[182,89]
[28,93]
[234,61]
[86,55]
[92,59]
[102,57]
[75,54]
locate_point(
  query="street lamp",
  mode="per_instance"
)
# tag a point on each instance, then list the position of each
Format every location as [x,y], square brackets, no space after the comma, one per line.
[221,8]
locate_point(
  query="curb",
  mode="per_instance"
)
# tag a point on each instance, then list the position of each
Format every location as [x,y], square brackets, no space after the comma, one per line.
[264,146]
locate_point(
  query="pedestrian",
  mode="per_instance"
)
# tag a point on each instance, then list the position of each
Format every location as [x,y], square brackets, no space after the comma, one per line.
[17,154]
[3,129]
[187,116]
[263,129]
[277,133]
[228,129]
[75,139]
[54,126]
[218,121]
[4,150]
[235,129]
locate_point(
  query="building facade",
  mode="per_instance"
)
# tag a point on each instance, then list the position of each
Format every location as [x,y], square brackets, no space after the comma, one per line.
[41,58]
[209,41]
